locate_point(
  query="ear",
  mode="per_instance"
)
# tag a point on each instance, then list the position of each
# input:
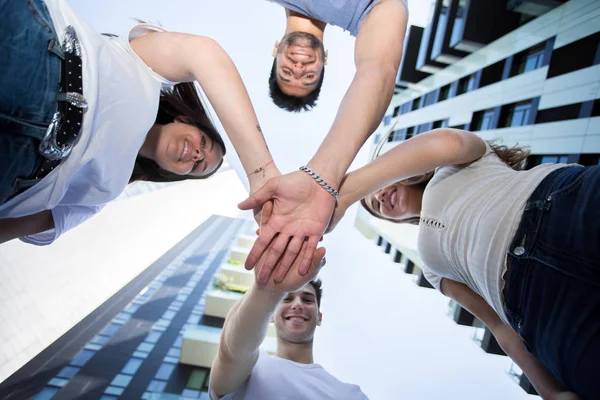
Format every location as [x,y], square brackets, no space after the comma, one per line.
[326,56]
[275,48]
[272,320]
[320,318]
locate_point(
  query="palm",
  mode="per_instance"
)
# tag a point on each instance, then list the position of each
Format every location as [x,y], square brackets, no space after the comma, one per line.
[301,211]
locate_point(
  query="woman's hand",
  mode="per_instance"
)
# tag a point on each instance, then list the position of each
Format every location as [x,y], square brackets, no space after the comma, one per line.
[338,213]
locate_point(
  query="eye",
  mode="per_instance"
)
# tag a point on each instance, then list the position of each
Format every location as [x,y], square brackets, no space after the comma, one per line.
[287,72]
[196,164]
[310,76]
[203,142]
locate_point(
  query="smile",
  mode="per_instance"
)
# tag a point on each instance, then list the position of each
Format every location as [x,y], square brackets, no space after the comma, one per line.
[295,318]
[184,151]
[393,198]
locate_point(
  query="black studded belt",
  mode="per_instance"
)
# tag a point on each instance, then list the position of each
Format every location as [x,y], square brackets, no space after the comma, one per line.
[62,132]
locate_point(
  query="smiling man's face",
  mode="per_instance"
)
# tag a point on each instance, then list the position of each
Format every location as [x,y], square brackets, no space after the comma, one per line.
[300,60]
[297,316]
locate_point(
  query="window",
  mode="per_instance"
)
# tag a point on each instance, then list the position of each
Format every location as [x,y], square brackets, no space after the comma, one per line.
[483,120]
[396,112]
[467,84]
[82,357]
[429,99]
[424,128]
[444,92]
[596,108]
[491,74]
[410,132]
[443,123]
[397,135]
[558,159]
[459,23]
[387,120]
[589,159]
[438,42]
[562,113]
[528,60]
[132,366]
[415,104]
[580,54]
[516,114]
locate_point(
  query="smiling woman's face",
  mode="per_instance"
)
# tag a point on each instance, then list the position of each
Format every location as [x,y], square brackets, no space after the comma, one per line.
[183,149]
[300,60]
[396,201]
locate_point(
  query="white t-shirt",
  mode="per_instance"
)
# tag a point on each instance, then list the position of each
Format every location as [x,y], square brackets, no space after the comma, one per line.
[469,217]
[123,95]
[275,378]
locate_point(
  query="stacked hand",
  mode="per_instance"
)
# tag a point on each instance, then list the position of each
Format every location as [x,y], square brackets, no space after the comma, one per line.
[297,212]
[293,280]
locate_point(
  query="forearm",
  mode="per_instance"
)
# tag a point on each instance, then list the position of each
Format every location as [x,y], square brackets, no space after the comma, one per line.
[244,330]
[359,115]
[418,155]
[544,382]
[12,228]
[228,95]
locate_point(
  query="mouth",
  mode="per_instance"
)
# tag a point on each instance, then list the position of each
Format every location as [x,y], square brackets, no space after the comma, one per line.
[296,318]
[301,53]
[185,151]
[394,199]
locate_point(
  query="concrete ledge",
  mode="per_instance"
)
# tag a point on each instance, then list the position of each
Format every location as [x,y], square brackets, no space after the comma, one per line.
[239,254]
[201,343]
[237,274]
[246,241]
[219,302]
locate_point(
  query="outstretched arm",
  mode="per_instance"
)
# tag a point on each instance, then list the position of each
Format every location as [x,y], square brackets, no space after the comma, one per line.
[377,55]
[543,381]
[302,208]
[418,155]
[246,326]
[180,57]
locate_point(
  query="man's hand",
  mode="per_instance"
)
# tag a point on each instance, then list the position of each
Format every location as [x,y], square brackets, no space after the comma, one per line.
[293,280]
[301,212]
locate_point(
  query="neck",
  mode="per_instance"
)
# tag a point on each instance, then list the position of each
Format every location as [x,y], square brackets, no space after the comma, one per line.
[148,148]
[298,352]
[301,23]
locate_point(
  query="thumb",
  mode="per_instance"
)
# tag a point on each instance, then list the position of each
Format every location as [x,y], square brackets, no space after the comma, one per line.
[261,196]
[318,262]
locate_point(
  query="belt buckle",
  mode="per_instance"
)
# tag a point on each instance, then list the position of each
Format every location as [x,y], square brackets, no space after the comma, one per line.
[48,148]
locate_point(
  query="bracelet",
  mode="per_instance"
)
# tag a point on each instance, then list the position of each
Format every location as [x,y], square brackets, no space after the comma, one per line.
[320,181]
[260,169]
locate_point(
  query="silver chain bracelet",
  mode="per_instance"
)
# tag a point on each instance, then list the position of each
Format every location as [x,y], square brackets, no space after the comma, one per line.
[320,181]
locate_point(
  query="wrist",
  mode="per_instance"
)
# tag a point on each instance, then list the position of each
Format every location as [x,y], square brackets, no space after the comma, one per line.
[331,174]
[258,179]
[269,297]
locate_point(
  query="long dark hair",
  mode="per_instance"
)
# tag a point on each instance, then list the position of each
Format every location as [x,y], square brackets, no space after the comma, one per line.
[182,100]
[515,157]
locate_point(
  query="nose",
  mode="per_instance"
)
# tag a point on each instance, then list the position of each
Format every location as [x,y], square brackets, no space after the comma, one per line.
[298,69]
[380,196]
[197,155]
[297,304]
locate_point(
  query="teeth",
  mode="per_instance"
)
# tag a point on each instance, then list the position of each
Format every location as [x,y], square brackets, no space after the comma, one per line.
[185,150]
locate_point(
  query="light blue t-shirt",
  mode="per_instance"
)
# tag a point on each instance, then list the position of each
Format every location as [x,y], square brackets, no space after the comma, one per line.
[347,14]
[275,378]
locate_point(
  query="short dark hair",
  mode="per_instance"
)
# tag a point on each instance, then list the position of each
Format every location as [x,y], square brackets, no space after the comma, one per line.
[293,103]
[183,100]
[316,284]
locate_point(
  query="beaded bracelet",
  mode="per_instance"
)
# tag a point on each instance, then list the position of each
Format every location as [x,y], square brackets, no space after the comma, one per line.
[320,181]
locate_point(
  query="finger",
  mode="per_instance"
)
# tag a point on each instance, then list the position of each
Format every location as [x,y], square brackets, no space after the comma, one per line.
[311,246]
[318,262]
[291,253]
[263,240]
[274,254]
[258,198]
[267,210]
